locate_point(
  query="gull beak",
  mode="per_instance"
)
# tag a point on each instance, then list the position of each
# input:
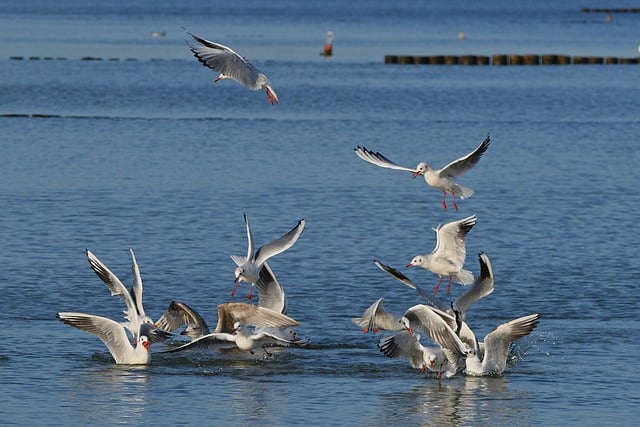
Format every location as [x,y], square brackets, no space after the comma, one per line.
[432,363]
[415,173]
[409,265]
[146,345]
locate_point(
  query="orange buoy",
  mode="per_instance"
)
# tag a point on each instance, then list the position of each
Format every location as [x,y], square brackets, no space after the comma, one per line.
[328,45]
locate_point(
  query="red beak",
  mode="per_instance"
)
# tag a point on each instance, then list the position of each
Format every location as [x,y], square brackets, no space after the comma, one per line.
[409,265]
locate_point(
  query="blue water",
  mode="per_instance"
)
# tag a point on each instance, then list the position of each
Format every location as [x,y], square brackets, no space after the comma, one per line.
[150,154]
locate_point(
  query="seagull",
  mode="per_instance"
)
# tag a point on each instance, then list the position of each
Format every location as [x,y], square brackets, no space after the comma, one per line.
[406,345]
[376,317]
[448,257]
[231,65]
[482,286]
[248,268]
[135,313]
[442,179]
[496,346]
[242,337]
[114,336]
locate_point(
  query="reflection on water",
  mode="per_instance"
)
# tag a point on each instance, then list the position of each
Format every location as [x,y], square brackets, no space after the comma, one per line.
[460,401]
[117,393]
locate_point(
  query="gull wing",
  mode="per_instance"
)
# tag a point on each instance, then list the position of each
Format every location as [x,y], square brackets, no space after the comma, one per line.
[270,293]
[279,245]
[136,288]
[376,317]
[463,164]
[113,283]
[110,332]
[249,314]
[497,342]
[375,158]
[179,314]
[482,286]
[425,319]
[396,274]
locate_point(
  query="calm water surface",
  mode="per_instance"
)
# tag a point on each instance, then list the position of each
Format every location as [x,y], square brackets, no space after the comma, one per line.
[149,154]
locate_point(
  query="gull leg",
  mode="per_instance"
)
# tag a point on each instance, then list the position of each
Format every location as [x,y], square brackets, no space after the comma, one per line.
[449,286]
[444,200]
[455,205]
[435,290]
[266,353]
[250,294]
[235,288]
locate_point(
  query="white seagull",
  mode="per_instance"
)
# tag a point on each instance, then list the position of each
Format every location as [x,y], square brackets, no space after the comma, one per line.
[231,65]
[248,268]
[135,313]
[114,336]
[448,257]
[376,317]
[442,179]
[406,345]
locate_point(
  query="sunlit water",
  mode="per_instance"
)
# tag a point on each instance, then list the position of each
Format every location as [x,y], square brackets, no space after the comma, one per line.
[152,155]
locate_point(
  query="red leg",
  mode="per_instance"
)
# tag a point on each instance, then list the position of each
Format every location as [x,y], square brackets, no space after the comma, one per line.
[250,295]
[449,286]
[444,200]
[365,330]
[235,288]
[455,205]
[435,290]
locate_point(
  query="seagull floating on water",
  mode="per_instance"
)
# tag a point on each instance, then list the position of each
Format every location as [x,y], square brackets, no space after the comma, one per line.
[231,65]
[442,179]
[135,313]
[114,337]
[448,257]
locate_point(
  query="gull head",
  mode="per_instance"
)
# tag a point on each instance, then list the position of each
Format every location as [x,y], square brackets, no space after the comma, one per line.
[144,341]
[421,168]
[407,324]
[239,274]
[237,327]
[432,360]
[417,260]
[222,76]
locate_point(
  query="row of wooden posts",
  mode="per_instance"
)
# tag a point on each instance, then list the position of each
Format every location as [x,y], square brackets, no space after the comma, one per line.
[503,59]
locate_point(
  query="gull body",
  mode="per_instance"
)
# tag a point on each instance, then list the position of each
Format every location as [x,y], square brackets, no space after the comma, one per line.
[448,257]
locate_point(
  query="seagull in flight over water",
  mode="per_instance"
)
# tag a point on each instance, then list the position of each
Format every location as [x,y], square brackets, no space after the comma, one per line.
[442,179]
[231,65]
